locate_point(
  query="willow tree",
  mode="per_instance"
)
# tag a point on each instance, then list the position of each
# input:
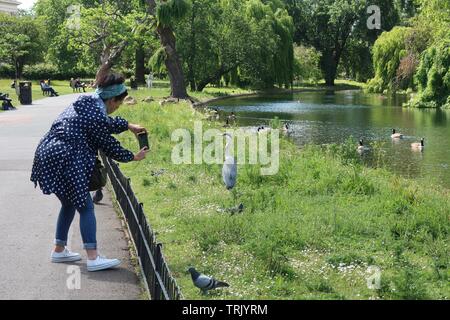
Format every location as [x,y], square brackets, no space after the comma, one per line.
[167,12]
[388,51]
[234,41]
[283,27]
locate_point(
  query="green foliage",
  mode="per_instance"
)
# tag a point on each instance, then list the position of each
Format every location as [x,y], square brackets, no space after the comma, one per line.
[338,30]
[7,71]
[435,17]
[49,71]
[248,43]
[283,27]
[157,60]
[357,60]
[53,16]
[306,64]
[388,51]
[102,26]
[433,77]
[326,25]
[21,42]
[170,11]
[420,53]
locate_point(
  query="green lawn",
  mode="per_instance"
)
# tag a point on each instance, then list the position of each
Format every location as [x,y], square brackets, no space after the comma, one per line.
[309,232]
[161,88]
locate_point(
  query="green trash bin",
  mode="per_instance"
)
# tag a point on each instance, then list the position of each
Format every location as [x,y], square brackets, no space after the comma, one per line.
[25,97]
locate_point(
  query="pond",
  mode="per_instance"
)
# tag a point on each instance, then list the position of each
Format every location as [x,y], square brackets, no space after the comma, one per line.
[324,117]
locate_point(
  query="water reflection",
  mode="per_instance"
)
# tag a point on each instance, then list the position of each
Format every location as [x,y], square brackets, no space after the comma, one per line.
[332,117]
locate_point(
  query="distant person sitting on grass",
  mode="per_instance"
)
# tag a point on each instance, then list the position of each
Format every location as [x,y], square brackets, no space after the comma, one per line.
[65,158]
[46,88]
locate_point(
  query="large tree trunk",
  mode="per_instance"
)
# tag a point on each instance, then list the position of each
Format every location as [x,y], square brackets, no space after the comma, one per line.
[173,63]
[329,66]
[140,65]
[18,69]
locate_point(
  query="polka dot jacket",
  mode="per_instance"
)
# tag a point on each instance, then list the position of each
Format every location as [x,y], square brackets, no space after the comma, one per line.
[65,157]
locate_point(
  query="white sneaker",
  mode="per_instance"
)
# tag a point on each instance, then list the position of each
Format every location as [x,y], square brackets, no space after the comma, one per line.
[101,263]
[65,256]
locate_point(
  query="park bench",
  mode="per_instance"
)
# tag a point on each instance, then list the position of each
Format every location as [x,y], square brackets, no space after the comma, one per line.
[45,91]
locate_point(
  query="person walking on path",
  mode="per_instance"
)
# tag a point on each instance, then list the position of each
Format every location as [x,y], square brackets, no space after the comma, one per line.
[65,158]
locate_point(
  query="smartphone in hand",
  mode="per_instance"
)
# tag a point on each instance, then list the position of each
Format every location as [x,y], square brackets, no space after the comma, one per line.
[143,141]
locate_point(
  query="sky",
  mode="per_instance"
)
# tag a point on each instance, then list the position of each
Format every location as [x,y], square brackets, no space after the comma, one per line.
[26,4]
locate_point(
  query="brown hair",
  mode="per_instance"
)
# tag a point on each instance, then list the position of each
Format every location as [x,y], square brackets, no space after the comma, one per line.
[106,77]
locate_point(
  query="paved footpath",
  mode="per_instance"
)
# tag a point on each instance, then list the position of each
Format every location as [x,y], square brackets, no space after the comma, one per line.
[28,220]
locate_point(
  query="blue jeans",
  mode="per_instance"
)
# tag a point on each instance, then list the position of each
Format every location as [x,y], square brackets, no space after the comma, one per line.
[88,223]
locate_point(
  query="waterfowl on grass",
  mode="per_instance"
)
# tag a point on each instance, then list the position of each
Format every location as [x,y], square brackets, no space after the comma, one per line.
[286,129]
[361,147]
[263,129]
[232,116]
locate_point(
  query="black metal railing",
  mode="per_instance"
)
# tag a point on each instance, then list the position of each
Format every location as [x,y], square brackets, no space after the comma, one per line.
[155,271]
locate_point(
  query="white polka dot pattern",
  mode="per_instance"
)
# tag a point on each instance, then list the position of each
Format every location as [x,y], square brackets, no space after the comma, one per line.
[65,157]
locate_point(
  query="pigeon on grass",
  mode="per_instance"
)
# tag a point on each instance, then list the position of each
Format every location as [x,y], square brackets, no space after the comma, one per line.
[205,283]
[232,211]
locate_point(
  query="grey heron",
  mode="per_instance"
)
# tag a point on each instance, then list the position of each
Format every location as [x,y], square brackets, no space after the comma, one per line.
[229,169]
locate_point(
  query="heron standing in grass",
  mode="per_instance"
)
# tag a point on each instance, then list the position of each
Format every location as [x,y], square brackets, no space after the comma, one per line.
[229,169]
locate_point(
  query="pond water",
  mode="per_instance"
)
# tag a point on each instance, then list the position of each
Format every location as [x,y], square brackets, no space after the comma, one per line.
[334,116]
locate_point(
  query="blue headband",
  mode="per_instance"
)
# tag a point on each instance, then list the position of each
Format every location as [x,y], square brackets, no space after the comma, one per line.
[111,91]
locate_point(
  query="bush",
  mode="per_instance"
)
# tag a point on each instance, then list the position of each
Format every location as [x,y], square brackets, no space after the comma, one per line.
[43,71]
[388,51]
[7,71]
[433,77]
[306,64]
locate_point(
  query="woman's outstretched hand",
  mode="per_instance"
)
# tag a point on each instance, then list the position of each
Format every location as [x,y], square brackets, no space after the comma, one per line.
[136,129]
[141,154]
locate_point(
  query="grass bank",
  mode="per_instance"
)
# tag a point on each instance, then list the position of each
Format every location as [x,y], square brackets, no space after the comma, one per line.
[309,232]
[339,84]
